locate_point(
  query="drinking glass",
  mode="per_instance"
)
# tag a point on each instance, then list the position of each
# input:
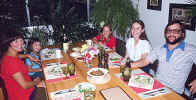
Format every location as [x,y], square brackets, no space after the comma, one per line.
[122,67]
[65,70]
[65,47]
[89,95]
[126,74]
[71,68]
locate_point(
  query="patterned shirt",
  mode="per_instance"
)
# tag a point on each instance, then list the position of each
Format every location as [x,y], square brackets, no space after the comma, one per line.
[33,65]
[173,73]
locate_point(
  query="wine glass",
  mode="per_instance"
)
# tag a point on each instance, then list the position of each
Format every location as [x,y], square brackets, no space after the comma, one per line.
[71,68]
[65,70]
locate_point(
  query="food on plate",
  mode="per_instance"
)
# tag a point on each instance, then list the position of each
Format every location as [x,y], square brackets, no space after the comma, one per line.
[85,87]
[142,81]
[56,70]
[49,53]
[97,73]
[84,47]
[75,54]
[115,59]
[80,58]
[76,49]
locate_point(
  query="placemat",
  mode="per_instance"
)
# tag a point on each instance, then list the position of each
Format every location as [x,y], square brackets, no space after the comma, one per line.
[156,85]
[61,78]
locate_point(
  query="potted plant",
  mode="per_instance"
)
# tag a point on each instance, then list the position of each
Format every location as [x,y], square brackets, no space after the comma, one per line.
[119,14]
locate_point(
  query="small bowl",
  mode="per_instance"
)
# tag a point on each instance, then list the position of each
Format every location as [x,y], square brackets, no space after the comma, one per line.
[89,73]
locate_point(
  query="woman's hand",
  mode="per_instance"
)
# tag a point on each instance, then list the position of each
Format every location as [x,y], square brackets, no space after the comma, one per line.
[193,86]
[95,40]
[41,84]
[36,81]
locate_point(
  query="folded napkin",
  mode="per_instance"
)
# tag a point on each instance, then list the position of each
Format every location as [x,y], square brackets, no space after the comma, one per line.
[54,73]
[61,78]
[67,95]
[48,54]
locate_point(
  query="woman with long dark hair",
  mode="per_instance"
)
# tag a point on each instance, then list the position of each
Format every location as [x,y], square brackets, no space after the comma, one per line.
[12,69]
[138,46]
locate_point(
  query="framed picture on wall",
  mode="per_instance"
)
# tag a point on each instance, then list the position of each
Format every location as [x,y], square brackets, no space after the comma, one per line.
[186,13]
[154,4]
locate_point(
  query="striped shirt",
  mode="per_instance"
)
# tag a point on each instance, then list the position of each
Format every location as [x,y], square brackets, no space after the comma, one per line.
[174,73]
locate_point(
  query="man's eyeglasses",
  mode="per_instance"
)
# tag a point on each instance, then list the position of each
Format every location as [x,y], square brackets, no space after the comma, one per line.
[175,31]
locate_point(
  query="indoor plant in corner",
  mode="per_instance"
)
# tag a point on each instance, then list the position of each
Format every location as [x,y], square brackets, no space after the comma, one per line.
[119,14]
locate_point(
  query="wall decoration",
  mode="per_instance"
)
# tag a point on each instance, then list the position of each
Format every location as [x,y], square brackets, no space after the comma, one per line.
[154,4]
[186,13]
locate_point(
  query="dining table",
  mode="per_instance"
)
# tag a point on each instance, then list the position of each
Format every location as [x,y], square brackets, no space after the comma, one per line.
[81,76]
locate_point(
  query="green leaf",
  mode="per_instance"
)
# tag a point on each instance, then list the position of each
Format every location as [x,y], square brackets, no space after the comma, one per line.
[119,14]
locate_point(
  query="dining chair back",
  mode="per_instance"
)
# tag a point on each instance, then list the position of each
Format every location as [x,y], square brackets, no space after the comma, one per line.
[3,92]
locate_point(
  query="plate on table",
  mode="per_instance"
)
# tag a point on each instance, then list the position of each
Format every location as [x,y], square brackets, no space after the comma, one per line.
[84,87]
[56,70]
[142,81]
[76,49]
[97,73]
[67,94]
[80,59]
[75,54]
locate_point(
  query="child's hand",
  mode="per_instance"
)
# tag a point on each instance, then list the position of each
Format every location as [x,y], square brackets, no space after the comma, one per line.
[32,59]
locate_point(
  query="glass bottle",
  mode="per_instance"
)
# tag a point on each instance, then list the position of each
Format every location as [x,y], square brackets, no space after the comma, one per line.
[106,61]
[99,60]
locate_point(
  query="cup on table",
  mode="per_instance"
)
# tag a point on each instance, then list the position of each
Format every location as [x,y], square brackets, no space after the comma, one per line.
[71,68]
[58,53]
[89,95]
[89,42]
[122,67]
[65,47]
[65,70]
[126,73]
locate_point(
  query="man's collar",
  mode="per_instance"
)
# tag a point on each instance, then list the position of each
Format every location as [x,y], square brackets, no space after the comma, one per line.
[181,46]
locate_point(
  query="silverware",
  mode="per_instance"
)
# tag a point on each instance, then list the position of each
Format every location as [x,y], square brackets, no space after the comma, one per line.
[153,93]
[64,91]
[115,64]
[51,64]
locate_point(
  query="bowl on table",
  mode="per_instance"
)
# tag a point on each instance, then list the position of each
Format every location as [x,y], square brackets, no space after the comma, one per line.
[97,73]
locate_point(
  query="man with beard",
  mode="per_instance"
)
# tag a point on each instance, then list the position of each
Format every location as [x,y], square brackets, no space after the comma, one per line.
[175,58]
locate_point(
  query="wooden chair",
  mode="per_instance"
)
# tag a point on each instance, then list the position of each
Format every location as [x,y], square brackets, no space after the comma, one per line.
[120,47]
[191,77]
[3,92]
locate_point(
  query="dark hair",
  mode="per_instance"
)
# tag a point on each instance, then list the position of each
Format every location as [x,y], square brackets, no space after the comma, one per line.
[143,36]
[30,43]
[8,35]
[176,22]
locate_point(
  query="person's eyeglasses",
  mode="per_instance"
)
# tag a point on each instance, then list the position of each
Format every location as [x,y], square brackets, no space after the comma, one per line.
[175,31]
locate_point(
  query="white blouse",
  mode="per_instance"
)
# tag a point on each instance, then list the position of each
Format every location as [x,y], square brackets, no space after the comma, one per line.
[135,53]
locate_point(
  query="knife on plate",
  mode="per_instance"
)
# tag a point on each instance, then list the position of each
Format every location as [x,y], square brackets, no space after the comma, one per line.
[153,93]
[64,91]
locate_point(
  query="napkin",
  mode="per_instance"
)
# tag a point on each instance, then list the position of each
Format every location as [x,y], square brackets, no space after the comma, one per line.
[53,77]
[67,95]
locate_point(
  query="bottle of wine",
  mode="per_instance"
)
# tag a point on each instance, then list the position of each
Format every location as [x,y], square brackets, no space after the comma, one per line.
[99,60]
[106,61]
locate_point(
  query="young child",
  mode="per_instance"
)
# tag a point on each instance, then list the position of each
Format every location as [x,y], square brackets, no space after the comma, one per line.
[34,68]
